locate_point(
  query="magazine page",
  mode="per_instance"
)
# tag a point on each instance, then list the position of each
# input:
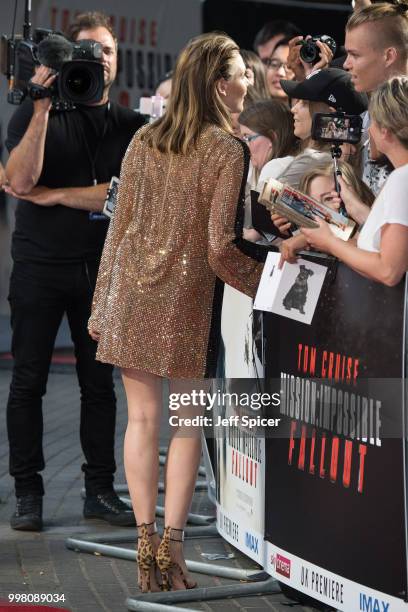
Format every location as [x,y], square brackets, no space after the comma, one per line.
[301,209]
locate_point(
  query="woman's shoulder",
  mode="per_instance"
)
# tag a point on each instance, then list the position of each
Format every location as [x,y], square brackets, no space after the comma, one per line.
[399,176]
[224,141]
[141,131]
[396,186]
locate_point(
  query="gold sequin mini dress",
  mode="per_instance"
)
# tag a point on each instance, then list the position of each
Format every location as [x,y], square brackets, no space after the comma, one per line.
[171,242]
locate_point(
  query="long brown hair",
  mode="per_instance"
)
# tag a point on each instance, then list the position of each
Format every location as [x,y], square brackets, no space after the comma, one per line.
[316,107]
[259,90]
[273,119]
[194,101]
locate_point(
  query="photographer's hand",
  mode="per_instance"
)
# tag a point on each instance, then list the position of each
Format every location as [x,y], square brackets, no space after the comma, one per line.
[294,62]
[26,160]
[82,198]
[43,196]
[45,77]
[326,56]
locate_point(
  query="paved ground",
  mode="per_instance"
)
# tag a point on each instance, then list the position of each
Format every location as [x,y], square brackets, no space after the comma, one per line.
[40,563]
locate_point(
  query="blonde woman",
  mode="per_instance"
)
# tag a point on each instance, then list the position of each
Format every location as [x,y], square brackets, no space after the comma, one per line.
[381,252]
[157,303]
[319,184]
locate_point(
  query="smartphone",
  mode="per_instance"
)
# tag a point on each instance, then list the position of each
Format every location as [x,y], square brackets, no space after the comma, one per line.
[337,127]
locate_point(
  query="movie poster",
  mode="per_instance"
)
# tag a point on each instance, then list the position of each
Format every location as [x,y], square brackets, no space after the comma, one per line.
[240,467]
[240,451]
[334,512]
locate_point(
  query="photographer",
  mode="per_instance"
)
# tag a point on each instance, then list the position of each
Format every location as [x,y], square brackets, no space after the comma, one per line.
[60,166]
[270,34]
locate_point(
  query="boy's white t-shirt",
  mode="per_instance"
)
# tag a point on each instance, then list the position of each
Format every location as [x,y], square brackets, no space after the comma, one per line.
[390,206]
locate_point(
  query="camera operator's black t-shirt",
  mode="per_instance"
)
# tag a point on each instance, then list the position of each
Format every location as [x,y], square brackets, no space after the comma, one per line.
[58,233]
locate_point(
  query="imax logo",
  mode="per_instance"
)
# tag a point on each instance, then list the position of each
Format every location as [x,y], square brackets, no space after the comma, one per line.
[251,542]
[370,604]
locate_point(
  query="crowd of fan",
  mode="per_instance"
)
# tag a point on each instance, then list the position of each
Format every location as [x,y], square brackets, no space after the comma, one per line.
[284,93]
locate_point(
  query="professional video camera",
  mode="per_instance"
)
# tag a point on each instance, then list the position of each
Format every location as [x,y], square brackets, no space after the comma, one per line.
[80,75]
[310,52]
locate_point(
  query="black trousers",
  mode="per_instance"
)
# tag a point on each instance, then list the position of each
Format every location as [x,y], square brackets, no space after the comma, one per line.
[39,296]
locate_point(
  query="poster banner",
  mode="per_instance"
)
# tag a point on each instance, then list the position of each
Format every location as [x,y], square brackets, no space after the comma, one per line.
[240,449]
[335,478]
[240,469]
[149,40]
[329,588]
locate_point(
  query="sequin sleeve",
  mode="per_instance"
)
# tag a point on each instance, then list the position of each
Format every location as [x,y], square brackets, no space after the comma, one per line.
[225,258]
[118,225]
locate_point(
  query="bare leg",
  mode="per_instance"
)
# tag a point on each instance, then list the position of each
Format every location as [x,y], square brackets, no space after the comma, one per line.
[144,398]
[182,463]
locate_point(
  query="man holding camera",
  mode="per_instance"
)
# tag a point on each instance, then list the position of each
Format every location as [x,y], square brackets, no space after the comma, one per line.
[60,165]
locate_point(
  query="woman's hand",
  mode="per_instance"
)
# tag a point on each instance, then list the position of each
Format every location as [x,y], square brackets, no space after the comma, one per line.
[95,335]
[356,209]
[320,238]
[281,223]
[332,200]
[289,249]
[3,177]
[251,235]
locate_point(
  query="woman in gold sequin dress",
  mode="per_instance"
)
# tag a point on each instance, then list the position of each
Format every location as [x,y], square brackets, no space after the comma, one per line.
[156,313]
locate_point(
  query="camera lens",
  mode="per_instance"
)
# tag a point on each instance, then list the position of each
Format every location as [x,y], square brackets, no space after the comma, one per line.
[79,82]
[309,52]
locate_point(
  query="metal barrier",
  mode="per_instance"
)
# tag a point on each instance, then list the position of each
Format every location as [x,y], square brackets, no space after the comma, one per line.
[255,582]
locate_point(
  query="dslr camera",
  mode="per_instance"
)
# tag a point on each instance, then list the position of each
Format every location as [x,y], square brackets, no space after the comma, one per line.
[80,76]
[310,52]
